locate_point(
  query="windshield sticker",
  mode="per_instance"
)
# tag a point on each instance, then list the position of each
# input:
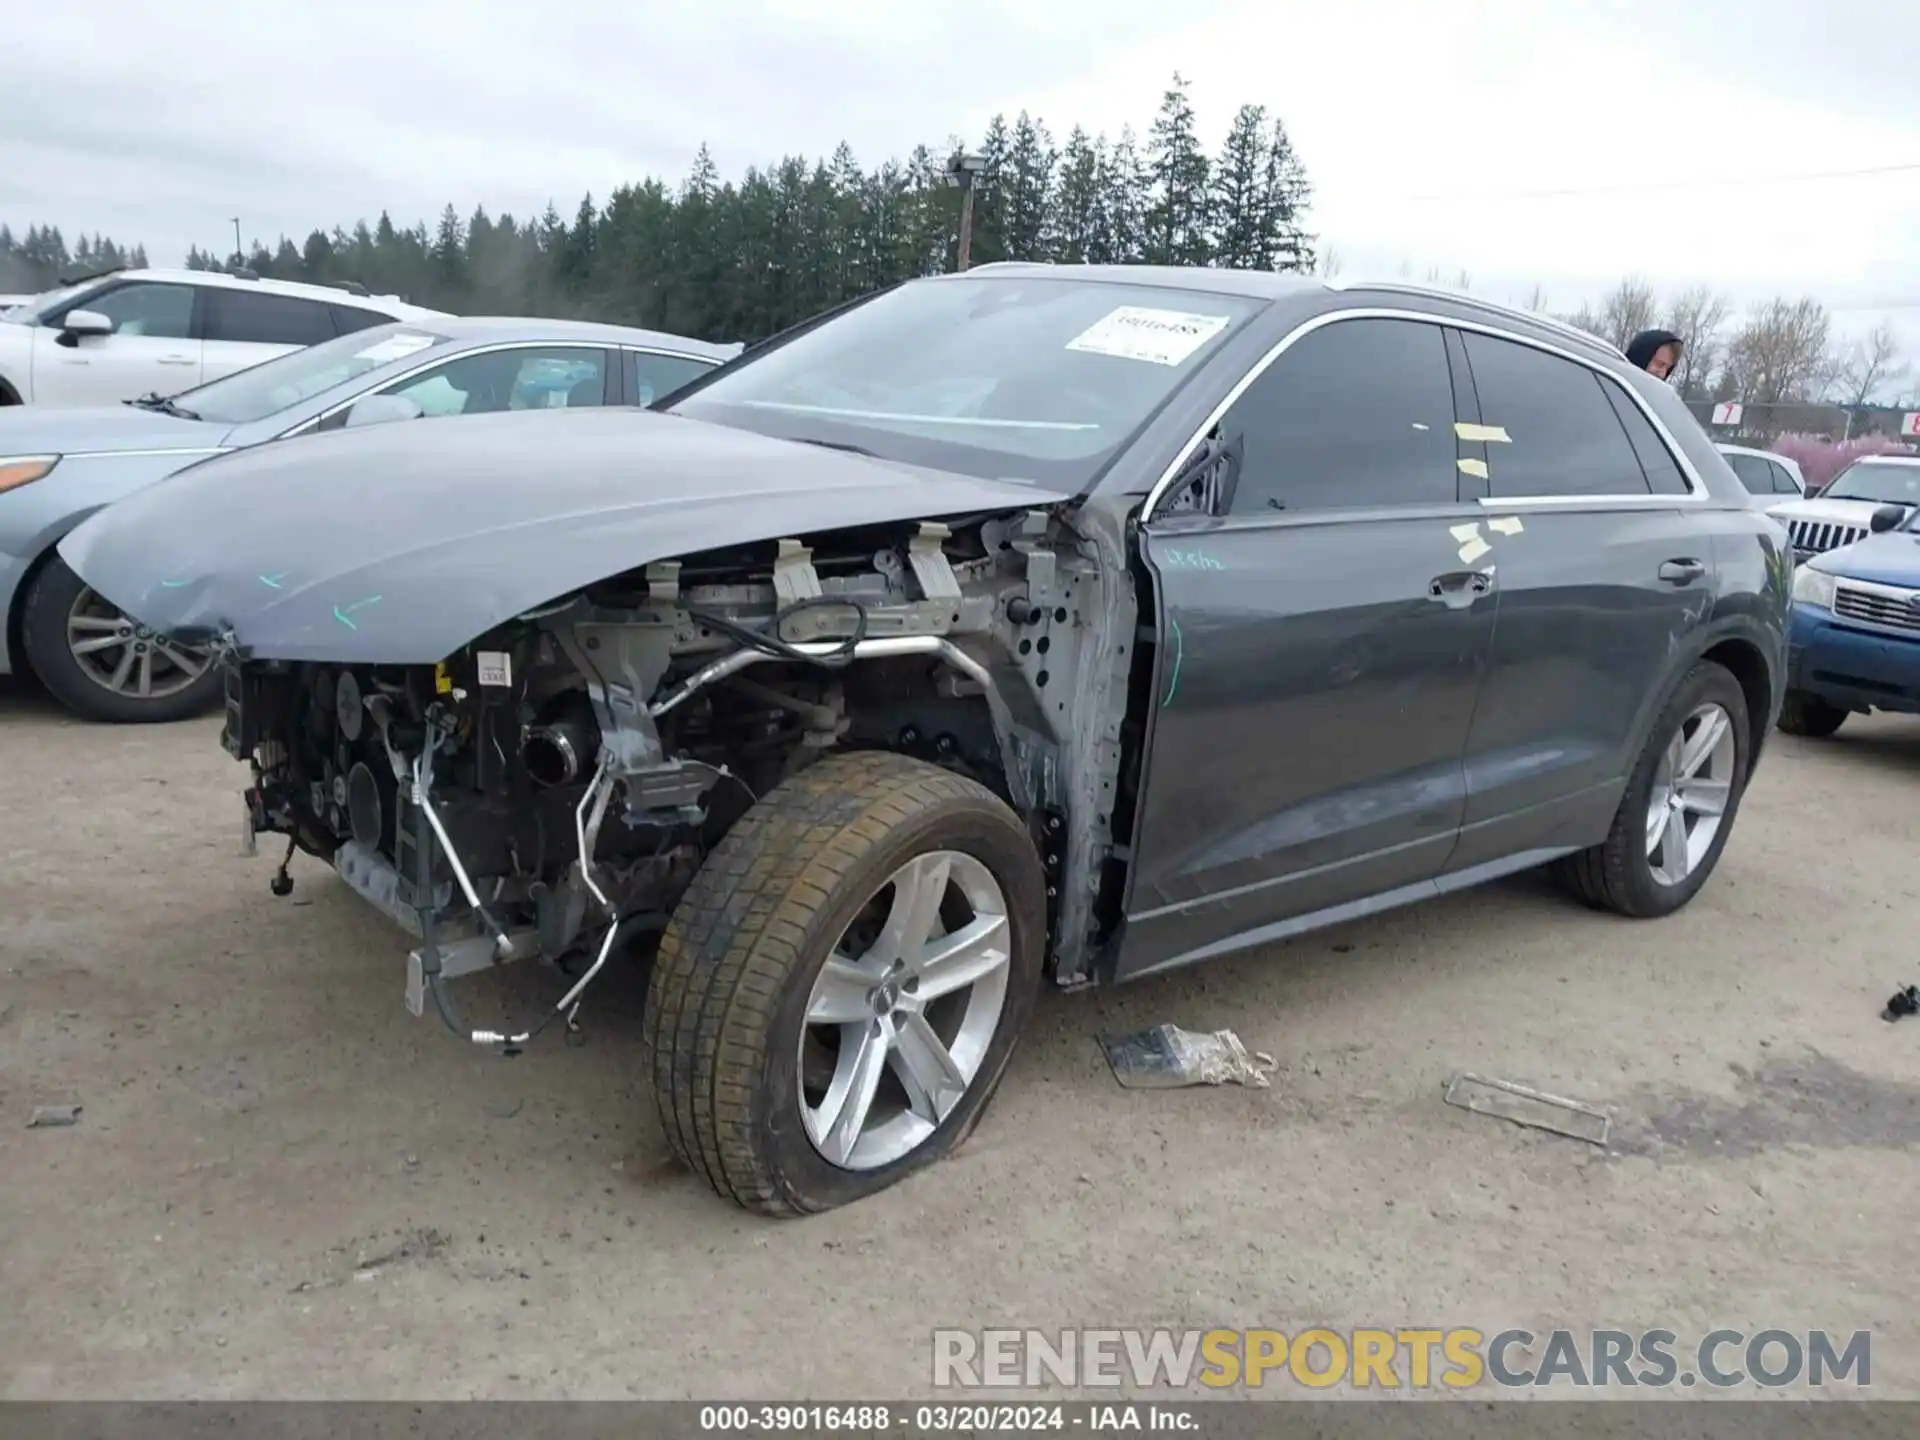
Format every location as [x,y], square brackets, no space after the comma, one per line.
[394,347]
[1486,434]
[1159,337]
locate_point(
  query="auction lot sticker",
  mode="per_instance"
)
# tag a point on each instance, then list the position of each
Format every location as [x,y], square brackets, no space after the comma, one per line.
[1160,337]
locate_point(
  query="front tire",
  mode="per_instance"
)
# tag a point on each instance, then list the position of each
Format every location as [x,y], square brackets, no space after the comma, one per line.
[1804,713]
[100,664]
[1679,805]
[839,991]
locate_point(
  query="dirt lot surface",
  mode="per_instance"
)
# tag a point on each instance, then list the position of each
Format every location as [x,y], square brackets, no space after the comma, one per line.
[283,1185]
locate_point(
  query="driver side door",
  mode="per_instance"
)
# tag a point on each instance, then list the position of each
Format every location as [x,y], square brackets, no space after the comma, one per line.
[1322,647]
[154,348]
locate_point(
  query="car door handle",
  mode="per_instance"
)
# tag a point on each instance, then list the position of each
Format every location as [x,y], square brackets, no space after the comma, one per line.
[1682,572]
[1459,588]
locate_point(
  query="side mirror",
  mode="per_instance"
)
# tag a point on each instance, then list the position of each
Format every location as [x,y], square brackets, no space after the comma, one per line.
[378,409]
[77,325]
[1887,517]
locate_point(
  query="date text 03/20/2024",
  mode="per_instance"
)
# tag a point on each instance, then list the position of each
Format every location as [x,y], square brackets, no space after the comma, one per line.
[939,1419]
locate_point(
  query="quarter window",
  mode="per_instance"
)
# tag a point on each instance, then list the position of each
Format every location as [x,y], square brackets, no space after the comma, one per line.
[1755,473]
[1562,433]
[657,376]
[349,318]
[1656,460]
[254,318]
[1782,481]
[158,312]
[1356,413]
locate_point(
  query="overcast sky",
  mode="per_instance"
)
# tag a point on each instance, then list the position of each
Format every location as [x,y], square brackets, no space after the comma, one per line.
[1430,130]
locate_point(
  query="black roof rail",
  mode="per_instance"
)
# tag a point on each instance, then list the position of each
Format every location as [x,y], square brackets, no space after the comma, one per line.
[352,287]
[241,272]
[87,275]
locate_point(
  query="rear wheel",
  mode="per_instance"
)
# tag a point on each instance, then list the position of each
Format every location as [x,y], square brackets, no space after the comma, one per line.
[1804,713]
[839,991]
[103,666]
[1678,808]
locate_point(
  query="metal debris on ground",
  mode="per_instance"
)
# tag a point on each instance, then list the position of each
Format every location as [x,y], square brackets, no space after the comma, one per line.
[1167,1058]
[46,1117]
[1904,1002]
[1524,1105]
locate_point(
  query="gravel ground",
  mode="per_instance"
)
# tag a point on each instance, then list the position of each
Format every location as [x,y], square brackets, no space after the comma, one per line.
[283,1185]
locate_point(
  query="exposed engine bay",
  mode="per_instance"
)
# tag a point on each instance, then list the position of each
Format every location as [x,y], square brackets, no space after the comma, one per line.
[550,791]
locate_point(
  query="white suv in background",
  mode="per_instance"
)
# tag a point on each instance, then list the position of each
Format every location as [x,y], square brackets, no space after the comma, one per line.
[130,333]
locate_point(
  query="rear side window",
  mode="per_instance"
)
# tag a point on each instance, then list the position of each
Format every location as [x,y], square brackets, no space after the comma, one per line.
[1656,460]
[259,319]
[1356,413]
[654,377]
[1755,473]
[1782,481]
[1551,428]
[349,318]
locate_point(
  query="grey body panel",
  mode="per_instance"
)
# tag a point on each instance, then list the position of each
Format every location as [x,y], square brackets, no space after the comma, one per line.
[1314,704]
[91,429]
[431,535]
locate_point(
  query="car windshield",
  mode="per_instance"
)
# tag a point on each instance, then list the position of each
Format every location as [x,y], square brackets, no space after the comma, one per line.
[270,387]
[1882,484]
[1007,378]
[29,312]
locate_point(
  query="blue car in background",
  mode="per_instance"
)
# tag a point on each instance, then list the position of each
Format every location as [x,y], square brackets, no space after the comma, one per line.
[1854,645]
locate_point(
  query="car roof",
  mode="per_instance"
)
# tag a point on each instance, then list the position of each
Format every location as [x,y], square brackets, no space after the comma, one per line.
[1276,285]
[1887,460]
[223,280]
[469,328]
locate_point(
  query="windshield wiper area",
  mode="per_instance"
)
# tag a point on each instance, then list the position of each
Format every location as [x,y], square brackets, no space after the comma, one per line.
[159,402]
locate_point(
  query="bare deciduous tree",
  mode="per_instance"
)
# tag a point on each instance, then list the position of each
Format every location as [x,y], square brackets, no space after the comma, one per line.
[1864,367]
[1627,311]
[1537,300]
[1780,353]
[1329,266]
[1697,316]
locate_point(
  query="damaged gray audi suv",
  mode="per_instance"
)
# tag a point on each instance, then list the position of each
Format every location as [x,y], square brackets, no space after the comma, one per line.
[1035,624]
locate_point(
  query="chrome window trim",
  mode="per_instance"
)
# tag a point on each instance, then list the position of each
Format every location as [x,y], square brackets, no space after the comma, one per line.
[1697,492]
[1485,307]
[307,425]
[171,450]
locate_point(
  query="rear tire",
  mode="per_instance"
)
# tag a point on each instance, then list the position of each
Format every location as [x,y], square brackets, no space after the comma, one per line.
[1804,713]
[745,1024]
[61,609]
[1621,874]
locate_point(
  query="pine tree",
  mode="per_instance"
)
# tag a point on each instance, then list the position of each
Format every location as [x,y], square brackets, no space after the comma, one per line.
[1288,195]
[1240,207]
[1077,204]
[1125,186]
[1027,192]
[1177,216]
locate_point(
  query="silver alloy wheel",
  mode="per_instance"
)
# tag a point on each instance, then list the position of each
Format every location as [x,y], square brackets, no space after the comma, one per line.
[125,658]
[908,1016]
[1691,787]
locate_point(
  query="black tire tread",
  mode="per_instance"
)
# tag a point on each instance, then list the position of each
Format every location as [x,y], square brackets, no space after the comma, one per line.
[1598,875]
[739,933]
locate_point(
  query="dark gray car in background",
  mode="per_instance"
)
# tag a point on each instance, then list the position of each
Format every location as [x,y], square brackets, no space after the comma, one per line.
[1031,623]
[57,466]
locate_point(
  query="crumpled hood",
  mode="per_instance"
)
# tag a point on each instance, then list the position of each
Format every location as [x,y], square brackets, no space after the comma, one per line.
[1889,559]
[400,543]
[51,430]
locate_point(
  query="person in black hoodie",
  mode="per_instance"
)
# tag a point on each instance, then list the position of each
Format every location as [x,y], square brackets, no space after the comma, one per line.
[1655,351]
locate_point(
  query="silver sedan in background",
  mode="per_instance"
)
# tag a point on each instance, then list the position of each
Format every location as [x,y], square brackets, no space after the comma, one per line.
[59,466]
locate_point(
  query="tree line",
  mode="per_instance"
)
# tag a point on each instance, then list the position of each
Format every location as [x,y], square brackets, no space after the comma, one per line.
[726,260]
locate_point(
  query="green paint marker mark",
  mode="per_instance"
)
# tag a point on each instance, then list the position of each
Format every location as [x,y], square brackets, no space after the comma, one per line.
[273,581]
[173,584]
[342,614]
[1179,654]
[1189,560]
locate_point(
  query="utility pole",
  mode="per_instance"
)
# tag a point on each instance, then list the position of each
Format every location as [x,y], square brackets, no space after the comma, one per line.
[239,254]
[960,173]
